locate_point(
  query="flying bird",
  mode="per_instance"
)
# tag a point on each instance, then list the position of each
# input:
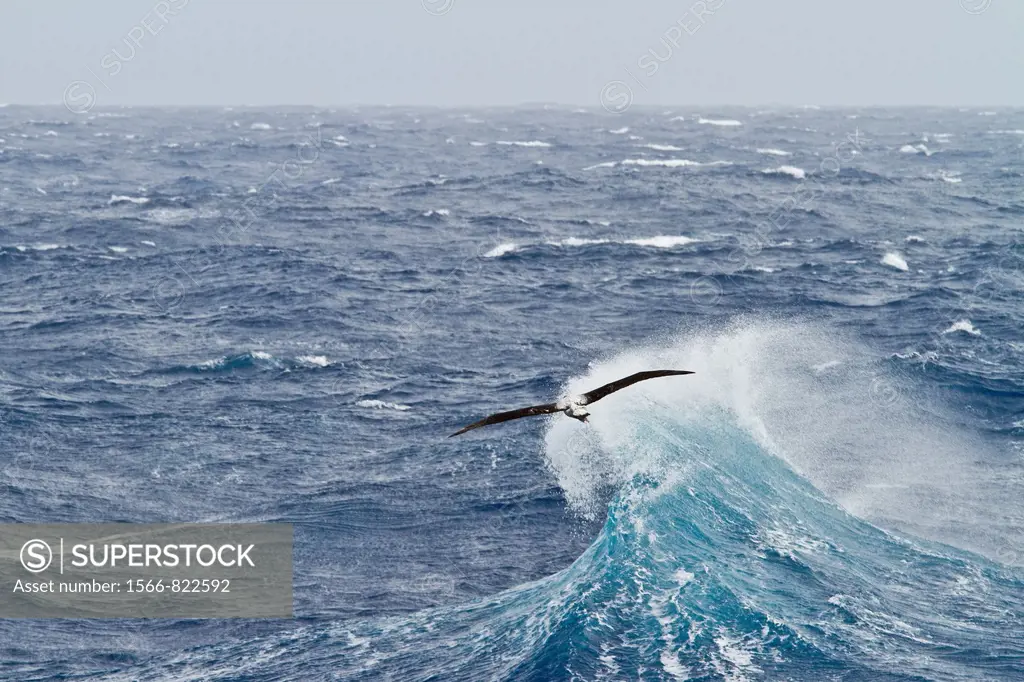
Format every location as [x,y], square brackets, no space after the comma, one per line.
[573,406]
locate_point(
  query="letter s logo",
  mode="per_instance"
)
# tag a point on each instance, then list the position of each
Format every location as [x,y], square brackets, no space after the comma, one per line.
[79,97]
[36,556]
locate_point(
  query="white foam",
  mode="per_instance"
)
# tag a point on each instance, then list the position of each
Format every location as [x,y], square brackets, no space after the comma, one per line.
[262,355]
[576,241]
[330,181]
[855,425]
[952,177]
[260,126]
[41,247]
[662,241]
[737,661]
[824,366]
[895,260]
[314,360]
[671,163]
[663,147]
[501,250]
[914,239]
[439,212]
[773,152]
[606,164]
[125,199]
[477,144]
[147,243]
[516,143]
[1007,132]
[915,149]
[963,326]
[657,242]
[792,171]
[118,249]
[620,131]
[382,405]
[725,122]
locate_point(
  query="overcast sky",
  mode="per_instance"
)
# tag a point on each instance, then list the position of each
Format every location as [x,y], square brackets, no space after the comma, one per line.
[482,52]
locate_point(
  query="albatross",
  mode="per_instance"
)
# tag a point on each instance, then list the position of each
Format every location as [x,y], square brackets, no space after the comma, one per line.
[573,406]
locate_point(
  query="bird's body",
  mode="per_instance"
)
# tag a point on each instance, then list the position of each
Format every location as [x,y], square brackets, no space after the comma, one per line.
[573,406]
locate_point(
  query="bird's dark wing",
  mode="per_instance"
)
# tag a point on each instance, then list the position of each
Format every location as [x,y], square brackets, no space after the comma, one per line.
[598,393]
[511,414]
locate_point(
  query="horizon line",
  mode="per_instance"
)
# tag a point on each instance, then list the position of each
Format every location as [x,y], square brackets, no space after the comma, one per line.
[527,104]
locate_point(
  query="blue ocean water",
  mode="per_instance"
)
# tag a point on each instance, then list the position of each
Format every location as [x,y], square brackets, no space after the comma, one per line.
[256,315]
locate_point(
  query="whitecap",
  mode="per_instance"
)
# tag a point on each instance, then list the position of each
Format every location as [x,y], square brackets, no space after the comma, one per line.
[952,177]
[123,198]
[314,360]
[914,239]
[672,163]
[501,250]
[662,241]
[260,126]
[620,131]
[768,151]
[726,122]
[438,212]
[330,181]
[826,366]
[118,249]
[147,243]
[963,326]
[380,404]
[41,247]
[895,260]
[477,144]
[576,241]
[915,149]
[792,171]
[516,143]
[663,147]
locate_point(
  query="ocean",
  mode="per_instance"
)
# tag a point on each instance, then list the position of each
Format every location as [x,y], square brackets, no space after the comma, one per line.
[279,315]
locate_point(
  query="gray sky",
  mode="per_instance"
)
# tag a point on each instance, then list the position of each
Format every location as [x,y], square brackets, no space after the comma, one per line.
[481,52]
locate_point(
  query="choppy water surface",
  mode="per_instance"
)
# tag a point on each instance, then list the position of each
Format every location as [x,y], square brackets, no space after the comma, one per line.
[279,315]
